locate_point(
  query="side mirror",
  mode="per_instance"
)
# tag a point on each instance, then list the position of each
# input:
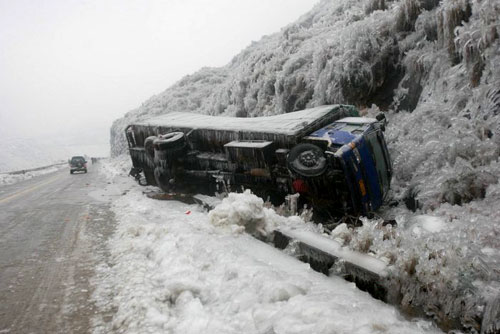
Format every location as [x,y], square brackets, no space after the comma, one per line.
[382,120]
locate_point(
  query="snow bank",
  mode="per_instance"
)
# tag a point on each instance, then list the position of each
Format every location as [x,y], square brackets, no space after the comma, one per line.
[245,212]
[242,212]
[172,271]
[421,224]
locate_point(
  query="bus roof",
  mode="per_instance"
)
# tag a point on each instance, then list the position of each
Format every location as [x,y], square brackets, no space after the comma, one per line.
[287,124]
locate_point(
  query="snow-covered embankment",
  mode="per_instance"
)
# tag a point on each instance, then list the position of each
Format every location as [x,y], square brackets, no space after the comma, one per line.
[174,268]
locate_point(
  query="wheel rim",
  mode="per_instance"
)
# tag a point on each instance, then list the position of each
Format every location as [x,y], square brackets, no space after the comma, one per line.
[307,160]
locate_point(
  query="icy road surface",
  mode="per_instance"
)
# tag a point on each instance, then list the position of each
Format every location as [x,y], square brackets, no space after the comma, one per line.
[51,238]
[172,271]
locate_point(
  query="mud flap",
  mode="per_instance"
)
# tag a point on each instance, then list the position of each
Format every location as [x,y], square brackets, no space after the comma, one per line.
[184,198]
[207,202]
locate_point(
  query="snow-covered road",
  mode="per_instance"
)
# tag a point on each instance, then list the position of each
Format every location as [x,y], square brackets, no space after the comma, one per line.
[51,238]
[173,271]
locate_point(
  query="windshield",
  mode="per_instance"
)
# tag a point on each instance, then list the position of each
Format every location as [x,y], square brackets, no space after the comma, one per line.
[77,159]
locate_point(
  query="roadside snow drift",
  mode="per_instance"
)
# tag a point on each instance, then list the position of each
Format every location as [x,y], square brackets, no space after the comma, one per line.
[246,212]
[176,269]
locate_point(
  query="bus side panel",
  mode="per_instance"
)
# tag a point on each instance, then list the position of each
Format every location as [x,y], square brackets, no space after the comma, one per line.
[355,182]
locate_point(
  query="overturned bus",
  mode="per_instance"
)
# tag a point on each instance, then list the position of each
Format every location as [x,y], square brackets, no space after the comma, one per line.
[337,162]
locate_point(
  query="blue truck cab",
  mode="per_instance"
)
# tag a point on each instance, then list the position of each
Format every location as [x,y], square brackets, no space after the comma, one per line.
[337,161]
[357,145]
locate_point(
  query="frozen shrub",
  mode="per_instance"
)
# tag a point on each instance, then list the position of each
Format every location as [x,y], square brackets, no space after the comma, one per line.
[452,14]
[427,23]
[407,14]
[491,320]
[417,68]
[373,5]
[431,270]
[429,4]
[464,188]
[474,38]
[493,100]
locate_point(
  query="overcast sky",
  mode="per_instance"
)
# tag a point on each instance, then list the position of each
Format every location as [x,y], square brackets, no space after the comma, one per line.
[72,65]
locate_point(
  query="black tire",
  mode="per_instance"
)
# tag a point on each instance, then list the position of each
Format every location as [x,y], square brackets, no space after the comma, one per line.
[307,160]
[71,172]
[85,171]
[162,178]
[170,141]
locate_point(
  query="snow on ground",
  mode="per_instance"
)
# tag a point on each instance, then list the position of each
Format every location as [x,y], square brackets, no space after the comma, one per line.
[174,268]
[6,178]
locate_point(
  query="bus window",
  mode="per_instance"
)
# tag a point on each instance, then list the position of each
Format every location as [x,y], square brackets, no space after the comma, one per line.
[378,155]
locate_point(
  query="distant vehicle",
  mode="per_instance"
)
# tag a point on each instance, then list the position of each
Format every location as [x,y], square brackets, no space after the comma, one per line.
[338,162]
[77,164]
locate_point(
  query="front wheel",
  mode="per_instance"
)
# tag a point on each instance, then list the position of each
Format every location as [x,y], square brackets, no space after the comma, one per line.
[163,179]
[307,160]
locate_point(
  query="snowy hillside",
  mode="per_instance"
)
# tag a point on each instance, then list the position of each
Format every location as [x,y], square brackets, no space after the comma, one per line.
[434,68]
[387,53]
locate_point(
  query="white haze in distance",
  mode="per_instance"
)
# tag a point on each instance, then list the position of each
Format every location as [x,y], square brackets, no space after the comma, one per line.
[70,67]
